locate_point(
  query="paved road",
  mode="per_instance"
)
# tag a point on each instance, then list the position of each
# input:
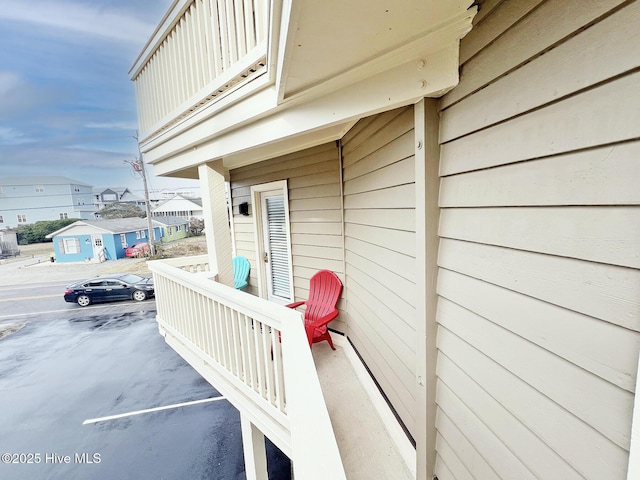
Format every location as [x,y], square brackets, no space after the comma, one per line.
[38,299]
[71,364]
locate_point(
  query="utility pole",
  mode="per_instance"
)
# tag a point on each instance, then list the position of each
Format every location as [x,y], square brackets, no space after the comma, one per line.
[140,167]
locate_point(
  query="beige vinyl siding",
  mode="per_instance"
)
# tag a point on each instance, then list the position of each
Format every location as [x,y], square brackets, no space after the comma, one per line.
[379,200]
[315,210]
[539,280]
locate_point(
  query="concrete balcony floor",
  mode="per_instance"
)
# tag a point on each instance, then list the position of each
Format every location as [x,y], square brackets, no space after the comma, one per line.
[365,443]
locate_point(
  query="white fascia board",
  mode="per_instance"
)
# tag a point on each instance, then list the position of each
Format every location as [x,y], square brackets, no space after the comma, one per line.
[254,101]
[79,228]
[290,126]
[289,26]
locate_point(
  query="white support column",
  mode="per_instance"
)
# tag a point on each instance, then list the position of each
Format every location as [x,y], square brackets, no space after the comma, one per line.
[255,453]
[214,204]
[427,158]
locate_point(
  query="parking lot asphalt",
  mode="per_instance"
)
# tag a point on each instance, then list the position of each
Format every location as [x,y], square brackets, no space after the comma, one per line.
[78,390]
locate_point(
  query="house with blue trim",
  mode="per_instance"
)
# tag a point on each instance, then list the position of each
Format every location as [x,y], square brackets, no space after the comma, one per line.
[99,240]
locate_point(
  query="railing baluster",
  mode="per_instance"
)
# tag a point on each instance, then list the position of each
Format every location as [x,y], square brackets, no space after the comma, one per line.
[235,341]
[218,332]
[268,363]
[241,34]
[188,317]
[249,26]
[216,52]
[243,349]
[208,333]
[279,376]
[250,352]
[201,320]
[226,351]
[260,357]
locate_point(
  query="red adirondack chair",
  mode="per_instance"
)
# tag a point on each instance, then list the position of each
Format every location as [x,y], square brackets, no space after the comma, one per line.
[324,291]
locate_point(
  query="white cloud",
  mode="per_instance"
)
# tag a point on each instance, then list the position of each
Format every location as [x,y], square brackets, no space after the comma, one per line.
[117,125]
[8,82]
[10,136]
[91,20]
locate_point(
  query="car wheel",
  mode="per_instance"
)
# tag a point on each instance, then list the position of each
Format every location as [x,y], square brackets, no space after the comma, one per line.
[139,296]
[83,300]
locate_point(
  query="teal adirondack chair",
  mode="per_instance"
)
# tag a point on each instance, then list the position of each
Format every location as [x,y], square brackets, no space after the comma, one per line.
[241,268]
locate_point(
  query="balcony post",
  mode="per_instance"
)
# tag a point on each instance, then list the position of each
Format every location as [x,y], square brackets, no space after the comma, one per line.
[255,453]
[218,234]
[427,160]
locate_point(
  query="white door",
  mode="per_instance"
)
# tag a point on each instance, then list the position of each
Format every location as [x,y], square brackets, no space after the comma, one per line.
[275,244]
[98,248]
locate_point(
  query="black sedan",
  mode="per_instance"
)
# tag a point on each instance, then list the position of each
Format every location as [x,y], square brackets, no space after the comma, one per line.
[107,288]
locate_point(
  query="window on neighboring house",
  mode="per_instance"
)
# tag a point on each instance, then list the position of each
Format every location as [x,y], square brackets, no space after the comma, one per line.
[22,218]
[137,235]
[170,231]
[109,197]
[76,188]
[63,216]
[39,188]
[1,219]
[72,245]
[179,228]
[123,240]
[143,234]
[69,245]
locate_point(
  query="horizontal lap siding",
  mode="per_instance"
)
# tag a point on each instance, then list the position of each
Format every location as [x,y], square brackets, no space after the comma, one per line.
[379,200]
[539,261]
[313,177]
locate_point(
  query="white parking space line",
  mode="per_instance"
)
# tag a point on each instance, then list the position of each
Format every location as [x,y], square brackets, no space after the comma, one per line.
[149,410]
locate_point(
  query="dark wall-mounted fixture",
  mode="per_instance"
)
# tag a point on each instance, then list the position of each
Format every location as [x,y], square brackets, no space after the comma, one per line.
[243,209]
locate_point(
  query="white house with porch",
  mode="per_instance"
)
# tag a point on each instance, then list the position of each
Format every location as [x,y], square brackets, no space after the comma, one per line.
[470,172]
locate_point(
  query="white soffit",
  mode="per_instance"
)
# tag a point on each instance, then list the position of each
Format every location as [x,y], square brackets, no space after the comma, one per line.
[355,33]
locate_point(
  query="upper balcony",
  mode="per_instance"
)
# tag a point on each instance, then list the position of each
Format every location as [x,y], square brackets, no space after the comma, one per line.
[200,52]
[247,80]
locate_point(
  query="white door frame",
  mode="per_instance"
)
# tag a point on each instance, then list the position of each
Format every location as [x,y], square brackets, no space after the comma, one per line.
[95,248]
[258,221]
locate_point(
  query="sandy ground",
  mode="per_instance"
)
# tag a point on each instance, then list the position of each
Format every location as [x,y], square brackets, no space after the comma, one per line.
[9,328]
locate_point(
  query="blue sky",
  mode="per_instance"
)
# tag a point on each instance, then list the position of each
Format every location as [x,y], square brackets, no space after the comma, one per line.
[67,106]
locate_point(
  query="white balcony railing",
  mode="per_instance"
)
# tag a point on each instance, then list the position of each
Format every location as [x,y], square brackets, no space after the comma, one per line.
[256,354]
[207,49]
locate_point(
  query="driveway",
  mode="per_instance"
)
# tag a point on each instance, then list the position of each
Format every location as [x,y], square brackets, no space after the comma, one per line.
[97,394]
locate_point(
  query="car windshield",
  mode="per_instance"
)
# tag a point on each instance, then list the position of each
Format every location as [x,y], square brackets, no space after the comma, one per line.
[131,278]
